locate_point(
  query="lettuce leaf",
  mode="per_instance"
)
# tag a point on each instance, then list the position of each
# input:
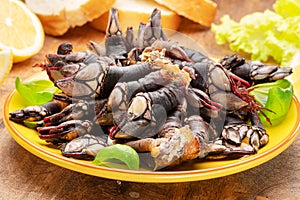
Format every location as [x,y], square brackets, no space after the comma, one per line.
[287,8]
[264,35]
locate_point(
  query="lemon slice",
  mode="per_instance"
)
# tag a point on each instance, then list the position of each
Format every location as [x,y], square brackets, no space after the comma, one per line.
[20,30]
[294,77]
[6,62]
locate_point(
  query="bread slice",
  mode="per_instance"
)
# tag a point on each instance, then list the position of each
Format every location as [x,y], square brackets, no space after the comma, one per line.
[132,12]
[200,11]
[57,16]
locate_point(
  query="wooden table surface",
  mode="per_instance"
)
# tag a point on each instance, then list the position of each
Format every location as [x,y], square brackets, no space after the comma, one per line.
[25,176]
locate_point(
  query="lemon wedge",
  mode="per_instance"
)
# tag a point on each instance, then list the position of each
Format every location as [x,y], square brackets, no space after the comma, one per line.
[6,63]
[294,77]
[20,30]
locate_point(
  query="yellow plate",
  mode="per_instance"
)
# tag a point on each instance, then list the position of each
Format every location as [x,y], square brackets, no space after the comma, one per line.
[281,137]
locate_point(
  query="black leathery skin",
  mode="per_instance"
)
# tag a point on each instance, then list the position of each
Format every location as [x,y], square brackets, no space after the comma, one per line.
[196,56]
[115,46]
[52,107]
[123,74]
[150,82]
[169,96]
[202,73]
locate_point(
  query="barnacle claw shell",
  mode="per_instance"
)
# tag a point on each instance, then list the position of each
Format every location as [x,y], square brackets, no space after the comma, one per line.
[280,73]
[71,112]
[96,48]
[85,83]
[254,71]
[153,29]
[235,133]
[65,48]
[34,113]
[84,147]
[239,139]
[133,129]
[114,43]
[65,131]
[142,126]
[139,107]
[220,150]
[228,100]
[231,135]
[219,78]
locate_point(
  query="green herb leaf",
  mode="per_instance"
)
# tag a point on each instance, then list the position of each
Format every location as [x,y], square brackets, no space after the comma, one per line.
[111,156]
[36,92]
[32,124]
[275,96]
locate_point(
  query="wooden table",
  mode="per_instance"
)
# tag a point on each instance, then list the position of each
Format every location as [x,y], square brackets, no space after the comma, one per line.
[25,176]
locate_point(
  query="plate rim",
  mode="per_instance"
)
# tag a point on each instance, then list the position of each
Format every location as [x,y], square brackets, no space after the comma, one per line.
[148,176]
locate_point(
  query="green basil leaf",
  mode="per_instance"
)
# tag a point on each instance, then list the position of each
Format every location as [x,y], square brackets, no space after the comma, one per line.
[36,92]
[32,124]
[111,156]
[275,96]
